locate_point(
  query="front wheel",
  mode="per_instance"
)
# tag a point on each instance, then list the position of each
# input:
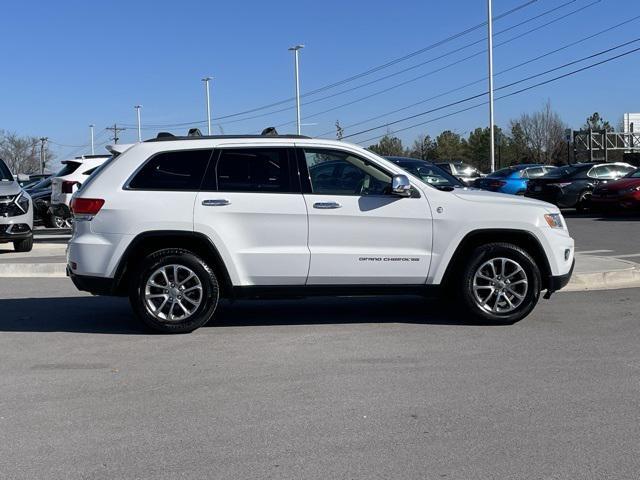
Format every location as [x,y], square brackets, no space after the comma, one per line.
[174,291]
[501,284]
[25,245]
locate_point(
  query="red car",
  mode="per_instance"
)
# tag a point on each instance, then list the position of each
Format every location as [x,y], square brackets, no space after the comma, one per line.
[623,193]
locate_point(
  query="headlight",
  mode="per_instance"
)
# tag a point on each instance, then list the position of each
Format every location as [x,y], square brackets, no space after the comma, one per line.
[22,202]
[554,220]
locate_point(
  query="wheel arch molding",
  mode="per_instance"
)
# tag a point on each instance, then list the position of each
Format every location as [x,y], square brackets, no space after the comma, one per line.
[148,242]
[521,238]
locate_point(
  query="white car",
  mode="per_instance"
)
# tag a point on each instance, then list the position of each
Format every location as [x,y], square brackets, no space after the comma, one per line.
[176,223]
[16,212]
[66,182]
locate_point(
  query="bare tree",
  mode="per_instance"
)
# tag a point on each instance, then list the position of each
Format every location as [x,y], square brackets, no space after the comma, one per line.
[544,134]
[423,147]
[22,154]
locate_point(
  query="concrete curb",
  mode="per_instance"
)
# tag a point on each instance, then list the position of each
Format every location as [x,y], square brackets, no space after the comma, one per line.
[45,270]
[605,280]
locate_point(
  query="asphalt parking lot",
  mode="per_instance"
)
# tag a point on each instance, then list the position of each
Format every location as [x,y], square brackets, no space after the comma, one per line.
[348,388]
[344,388]
[612,235]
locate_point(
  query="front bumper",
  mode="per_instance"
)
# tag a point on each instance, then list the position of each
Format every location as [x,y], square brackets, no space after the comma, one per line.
[14,231]
[557,282]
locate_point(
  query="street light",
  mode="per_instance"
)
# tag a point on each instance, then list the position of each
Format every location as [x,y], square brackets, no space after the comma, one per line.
[492,148]
[295,51]
[138,107]
[206,88]
[93,152]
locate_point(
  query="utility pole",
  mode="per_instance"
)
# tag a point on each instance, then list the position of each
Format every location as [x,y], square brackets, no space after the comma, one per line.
[93,151]
[492,147]
[296,51]
[208,100]
[138,107]
[115,129]
[43,153]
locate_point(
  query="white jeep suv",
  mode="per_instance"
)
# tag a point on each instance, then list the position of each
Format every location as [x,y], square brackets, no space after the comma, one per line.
[176,223]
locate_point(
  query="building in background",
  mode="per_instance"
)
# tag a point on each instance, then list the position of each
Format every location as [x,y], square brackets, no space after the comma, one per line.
[631,123]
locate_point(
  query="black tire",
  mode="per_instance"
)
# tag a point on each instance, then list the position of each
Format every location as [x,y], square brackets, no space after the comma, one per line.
[25,245]
[584,202]
[479,257]
[174,256]
[49,220]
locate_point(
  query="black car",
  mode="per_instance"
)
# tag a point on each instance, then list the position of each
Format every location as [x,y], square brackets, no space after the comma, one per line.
[463,171]
[427,172]
[571,186]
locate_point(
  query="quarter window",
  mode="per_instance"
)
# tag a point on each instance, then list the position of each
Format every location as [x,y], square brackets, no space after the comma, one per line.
[254,170]
[340,173]
[180,170]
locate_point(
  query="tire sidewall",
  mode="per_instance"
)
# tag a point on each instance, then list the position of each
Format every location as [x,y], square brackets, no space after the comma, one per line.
[482,255]
[210,290]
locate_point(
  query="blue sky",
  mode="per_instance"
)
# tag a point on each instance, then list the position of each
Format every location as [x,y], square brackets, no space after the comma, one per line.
[67,64]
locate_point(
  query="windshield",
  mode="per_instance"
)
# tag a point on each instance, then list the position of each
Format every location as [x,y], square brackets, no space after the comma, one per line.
[429,174]
[5,174]
[502,173]
[634,174]
[567,171]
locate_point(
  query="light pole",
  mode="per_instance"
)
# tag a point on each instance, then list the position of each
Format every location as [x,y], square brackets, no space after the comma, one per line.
[295,51]
[93,152]
[492,147]
[206,88]
[138,107]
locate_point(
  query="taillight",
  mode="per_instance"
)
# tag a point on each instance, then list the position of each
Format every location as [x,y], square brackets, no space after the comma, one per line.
[86,206]
[497,184]
[67,186]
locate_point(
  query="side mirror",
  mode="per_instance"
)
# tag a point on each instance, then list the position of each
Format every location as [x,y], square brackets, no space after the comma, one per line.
[400,186]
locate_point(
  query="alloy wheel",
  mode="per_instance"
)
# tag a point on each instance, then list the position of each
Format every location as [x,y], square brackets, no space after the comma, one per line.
[500,285]
[173,293]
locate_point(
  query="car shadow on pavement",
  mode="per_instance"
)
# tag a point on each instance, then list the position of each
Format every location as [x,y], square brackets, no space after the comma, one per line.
[108,315]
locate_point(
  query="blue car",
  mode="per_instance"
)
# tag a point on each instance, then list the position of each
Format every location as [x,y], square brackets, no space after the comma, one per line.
[512,180]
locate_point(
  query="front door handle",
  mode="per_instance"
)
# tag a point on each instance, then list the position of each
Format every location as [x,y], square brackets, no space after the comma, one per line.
[326,205]
[219,202]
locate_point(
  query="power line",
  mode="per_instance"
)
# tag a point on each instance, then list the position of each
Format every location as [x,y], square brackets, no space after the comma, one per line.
[440,69]
[517,92]
[360,75]
[406,82]
[462,87]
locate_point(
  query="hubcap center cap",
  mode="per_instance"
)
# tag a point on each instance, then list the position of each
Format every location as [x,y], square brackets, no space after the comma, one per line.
[174,292]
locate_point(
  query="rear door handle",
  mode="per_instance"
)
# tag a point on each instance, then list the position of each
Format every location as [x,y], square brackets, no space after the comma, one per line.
[219,202]
[326,205]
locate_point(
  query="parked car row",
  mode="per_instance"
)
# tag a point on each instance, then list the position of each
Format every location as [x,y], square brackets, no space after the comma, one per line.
[51,195]
[572,186]
[583,186]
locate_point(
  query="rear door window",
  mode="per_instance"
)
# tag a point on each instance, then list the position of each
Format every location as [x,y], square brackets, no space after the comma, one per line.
[179,170]
[260,170]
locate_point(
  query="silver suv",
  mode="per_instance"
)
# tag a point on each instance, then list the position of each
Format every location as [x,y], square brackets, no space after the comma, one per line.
[16,212]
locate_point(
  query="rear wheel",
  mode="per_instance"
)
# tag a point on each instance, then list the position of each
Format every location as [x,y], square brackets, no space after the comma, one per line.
[501,284]
[25,245]
[584,202]
[174,291]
